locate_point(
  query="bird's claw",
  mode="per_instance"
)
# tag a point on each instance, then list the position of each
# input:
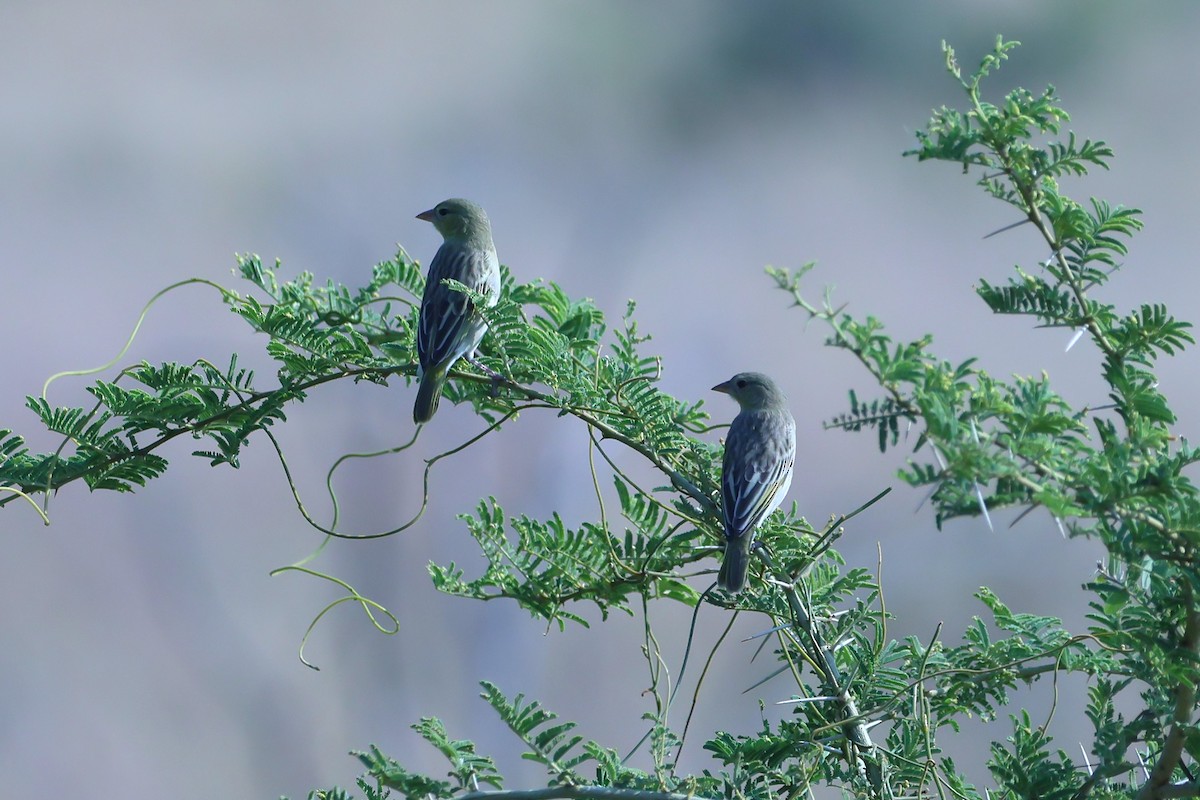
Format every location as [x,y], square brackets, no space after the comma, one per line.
[496,377]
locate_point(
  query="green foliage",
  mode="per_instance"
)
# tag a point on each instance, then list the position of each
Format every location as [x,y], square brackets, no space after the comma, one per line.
[550,566]
[882,414]
[1026,768]
[468,771]
[865,711]
[1114,472]
[551,746]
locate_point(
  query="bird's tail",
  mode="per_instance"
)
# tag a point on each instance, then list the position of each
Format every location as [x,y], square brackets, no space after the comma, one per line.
[428,394]
[732,577]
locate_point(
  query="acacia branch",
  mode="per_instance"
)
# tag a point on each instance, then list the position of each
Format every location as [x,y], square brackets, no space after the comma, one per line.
[854,726]
[578,793]
[590,417]
[1185,704]
[199,425]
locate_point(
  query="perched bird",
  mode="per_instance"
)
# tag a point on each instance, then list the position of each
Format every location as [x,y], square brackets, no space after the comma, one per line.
[450,326]
[760,450]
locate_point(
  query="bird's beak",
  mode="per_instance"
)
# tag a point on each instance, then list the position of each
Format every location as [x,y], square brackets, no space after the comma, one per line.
[426,215]
[724,388]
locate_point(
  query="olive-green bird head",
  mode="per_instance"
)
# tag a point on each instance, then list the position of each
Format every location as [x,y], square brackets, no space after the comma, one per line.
[753,391]
[458,219]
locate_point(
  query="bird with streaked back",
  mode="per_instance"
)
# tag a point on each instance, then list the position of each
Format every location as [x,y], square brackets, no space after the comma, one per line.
[760,450]
[450,326]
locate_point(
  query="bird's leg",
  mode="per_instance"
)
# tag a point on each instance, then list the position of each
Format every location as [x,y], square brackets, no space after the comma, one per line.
[496,377]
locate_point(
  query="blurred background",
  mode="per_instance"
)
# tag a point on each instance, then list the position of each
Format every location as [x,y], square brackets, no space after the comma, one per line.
[664,152]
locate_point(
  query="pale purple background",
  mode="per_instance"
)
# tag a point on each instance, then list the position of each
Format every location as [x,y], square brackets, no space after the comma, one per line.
[663,152]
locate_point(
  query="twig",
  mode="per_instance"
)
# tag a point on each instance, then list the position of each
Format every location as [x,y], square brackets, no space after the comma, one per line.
[579,792]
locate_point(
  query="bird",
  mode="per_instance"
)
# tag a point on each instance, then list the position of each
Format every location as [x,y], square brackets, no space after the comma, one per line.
[756,473]
[449,325]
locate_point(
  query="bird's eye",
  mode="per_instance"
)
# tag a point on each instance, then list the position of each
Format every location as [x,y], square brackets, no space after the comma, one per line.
[741,384]
[442,212]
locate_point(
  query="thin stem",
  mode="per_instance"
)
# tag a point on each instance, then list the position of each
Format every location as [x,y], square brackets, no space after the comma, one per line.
[579,793]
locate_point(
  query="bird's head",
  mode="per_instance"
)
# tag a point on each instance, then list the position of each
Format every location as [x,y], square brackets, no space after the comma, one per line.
[752,390]
[458,219]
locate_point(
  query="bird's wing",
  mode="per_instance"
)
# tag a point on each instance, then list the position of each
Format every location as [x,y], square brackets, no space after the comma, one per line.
[757,471]
[448,319]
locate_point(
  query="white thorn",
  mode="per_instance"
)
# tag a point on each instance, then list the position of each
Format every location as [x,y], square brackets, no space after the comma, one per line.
[796,700]
[938,456]
[1074,339]
[983,505]
[925,499]
[1142,761]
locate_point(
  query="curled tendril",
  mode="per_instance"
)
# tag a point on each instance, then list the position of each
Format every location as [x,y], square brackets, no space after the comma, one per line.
[41,513]
[368,605]
[226,295]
